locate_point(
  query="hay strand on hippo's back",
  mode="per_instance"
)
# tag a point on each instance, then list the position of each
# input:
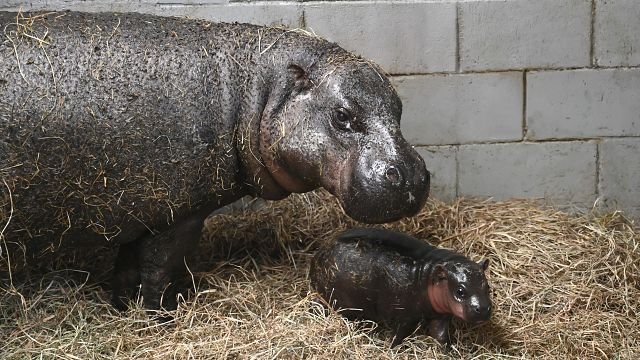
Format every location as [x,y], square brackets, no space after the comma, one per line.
[563,287]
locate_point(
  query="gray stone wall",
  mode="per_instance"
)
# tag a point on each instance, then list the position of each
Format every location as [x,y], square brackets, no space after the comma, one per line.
[513,98]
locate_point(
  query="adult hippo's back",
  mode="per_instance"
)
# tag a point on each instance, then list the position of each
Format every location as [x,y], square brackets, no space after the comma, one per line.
[132,128]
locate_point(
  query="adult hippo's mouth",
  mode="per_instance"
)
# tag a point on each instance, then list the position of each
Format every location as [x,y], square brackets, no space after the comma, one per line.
[369,189]
[373,189]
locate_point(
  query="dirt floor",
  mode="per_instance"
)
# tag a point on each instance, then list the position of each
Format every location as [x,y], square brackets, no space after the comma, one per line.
[563,286]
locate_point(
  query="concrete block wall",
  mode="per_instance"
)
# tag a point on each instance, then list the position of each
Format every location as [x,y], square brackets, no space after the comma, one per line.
[503,98]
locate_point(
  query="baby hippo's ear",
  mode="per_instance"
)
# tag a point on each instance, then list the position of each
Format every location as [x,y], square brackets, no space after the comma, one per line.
[439,273]
[484,264]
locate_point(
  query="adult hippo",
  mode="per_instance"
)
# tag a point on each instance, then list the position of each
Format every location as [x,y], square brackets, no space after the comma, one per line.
[131,129]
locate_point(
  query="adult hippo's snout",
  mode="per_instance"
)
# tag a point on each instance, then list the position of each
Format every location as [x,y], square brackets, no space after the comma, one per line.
[381,188]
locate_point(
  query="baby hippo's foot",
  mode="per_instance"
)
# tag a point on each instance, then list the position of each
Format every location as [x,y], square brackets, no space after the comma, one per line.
[439,330]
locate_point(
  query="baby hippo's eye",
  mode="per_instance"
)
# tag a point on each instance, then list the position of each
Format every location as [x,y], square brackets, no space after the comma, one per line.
[342,119]
[461,293]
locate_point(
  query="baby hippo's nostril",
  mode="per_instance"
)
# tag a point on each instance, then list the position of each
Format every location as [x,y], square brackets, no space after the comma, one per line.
[483,312]
[394,176]
[479,309]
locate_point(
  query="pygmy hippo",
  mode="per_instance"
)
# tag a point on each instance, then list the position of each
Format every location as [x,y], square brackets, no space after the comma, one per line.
[395,279]
[130,129]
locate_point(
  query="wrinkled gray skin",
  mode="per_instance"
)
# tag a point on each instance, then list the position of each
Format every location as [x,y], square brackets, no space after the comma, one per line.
[395,279]
[130,129]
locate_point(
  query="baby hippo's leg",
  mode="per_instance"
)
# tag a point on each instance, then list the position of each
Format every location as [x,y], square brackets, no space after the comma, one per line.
[439,330]
[402,331]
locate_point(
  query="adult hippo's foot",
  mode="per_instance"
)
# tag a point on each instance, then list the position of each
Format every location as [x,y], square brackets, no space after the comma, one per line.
[152,266]
[163,270]
[156,266]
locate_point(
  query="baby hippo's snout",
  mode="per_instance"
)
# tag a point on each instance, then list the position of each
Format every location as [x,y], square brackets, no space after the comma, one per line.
[480,312]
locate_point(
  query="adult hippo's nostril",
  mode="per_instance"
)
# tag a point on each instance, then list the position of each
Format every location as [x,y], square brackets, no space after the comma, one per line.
[394,175]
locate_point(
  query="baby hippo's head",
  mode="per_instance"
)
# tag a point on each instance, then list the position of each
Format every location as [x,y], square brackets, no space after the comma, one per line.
[459,287]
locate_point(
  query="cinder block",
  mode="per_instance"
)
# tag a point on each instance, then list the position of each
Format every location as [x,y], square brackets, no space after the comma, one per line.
[562,172]
[253,1]
[458,109]
[14,5]
[403,37]
[583,103]
[619,184]
[185,2]
[263,13]
[442,164]
[78,5]
[521,34]
[617,33]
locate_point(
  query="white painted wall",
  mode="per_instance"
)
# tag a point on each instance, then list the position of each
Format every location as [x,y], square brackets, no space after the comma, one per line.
[510,98]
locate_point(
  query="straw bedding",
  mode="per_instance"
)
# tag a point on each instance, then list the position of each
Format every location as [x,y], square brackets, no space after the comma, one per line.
[563,287]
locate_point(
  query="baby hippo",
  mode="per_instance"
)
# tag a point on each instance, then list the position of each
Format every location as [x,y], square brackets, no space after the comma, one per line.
[398,280]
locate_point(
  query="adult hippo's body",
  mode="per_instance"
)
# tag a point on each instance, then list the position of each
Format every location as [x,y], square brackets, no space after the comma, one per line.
[131,129]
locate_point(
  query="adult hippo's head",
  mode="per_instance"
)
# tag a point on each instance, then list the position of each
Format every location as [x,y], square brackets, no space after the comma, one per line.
[335,123]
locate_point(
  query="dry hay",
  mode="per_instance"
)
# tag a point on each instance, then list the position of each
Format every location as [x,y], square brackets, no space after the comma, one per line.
[563,287]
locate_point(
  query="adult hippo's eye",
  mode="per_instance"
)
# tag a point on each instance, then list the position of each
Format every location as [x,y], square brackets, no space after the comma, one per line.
[342,119]
[461,293]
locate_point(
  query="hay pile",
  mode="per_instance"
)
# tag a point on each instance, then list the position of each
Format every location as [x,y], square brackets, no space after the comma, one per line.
[563,287]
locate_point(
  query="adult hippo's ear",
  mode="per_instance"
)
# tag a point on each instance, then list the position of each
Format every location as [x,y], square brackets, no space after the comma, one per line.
[484,265]
[300,76]
[290,83]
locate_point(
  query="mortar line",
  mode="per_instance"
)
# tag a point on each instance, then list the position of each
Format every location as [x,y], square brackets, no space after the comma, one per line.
[524,106]
[457,37]
[303,17]
[592,34]
[597,190]
[455,156]
[529,69]
[529,141]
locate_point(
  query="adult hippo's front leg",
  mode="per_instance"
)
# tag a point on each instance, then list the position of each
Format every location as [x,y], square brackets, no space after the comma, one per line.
[156,265]
[153,266]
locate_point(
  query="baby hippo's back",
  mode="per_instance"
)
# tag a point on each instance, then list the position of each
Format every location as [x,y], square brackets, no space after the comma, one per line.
[366,279]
